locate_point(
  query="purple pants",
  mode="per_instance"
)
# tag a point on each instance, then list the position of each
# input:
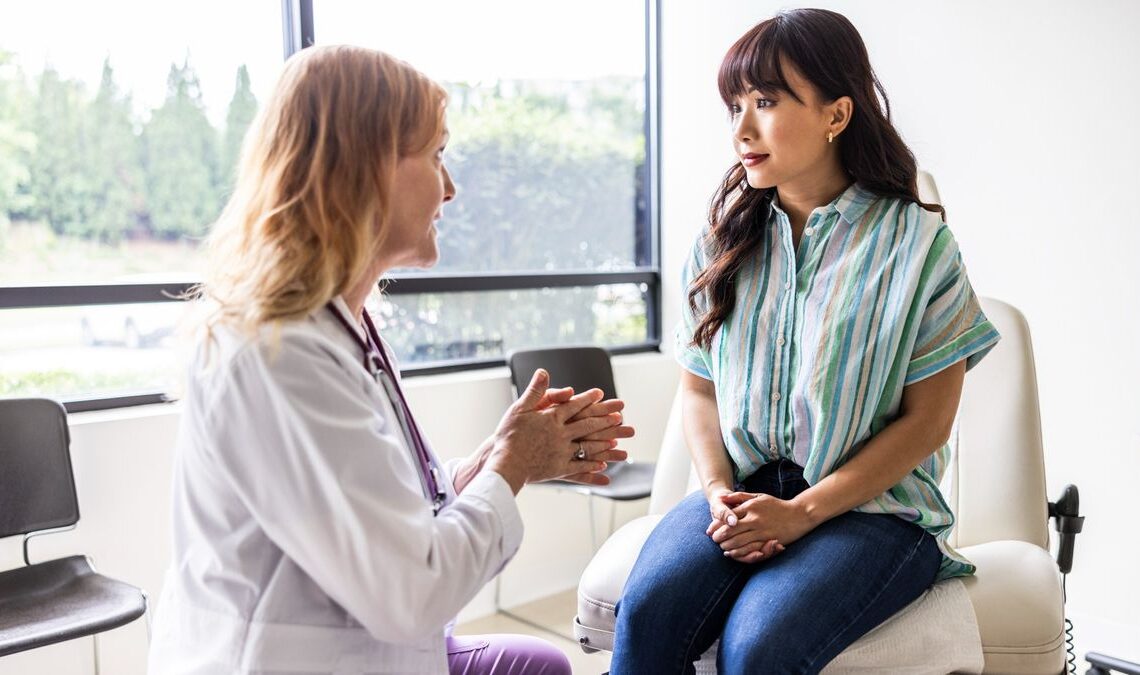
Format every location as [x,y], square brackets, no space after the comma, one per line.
[504,655]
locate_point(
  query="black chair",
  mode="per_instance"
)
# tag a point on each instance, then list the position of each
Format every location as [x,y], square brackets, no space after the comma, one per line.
[584,368]
[62,599]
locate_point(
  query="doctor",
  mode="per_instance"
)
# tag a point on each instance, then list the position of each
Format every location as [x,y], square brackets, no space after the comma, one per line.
[314,528]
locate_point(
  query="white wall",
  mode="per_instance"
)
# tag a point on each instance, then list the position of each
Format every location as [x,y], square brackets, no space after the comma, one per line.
[1024,112]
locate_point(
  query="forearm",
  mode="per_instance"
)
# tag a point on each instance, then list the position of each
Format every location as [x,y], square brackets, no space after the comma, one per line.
[703,436]
[471,466]
[884,461]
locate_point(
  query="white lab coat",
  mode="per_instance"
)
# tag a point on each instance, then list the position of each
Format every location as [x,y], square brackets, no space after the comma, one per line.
[303,541]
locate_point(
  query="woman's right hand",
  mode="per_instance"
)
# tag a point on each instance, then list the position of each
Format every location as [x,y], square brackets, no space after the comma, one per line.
[535,443]
[721,510]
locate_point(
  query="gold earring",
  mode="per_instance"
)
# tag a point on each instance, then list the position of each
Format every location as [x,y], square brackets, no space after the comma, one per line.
[830,137]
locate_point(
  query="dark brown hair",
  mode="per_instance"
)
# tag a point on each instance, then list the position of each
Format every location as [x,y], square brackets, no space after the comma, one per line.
[827,50]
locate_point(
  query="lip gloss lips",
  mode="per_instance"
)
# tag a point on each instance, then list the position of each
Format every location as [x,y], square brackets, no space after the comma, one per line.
[752,158]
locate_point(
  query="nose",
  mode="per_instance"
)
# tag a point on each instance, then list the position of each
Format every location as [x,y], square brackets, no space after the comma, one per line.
[744,128]
[448,186]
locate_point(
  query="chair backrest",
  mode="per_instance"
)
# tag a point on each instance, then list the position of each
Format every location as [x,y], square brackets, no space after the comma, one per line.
[997,469]
[579,367]
[998,474]
[37,488]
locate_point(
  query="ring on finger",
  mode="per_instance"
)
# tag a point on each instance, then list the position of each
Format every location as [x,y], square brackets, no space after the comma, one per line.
[581,454]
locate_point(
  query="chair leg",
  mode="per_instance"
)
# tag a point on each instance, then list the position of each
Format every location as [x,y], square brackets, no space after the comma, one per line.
[499,609]
[146,617]
[95,652]
[498,591]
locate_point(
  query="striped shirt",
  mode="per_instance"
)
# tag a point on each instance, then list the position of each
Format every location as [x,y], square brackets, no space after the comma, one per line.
[812,361]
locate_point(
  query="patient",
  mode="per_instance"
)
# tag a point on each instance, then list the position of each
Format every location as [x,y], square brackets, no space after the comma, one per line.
[828,327]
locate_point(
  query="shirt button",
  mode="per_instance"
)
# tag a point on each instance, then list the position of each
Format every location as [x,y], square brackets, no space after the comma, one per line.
[809,231]
[776,396]
[780,341]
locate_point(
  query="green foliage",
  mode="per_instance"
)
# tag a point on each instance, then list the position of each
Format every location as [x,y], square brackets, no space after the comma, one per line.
[85,167]
[58,184]
[541,186]
[111,164]
[61,382]
[242,110]
[548,178]
[15,142]
[181,160]
[545,182]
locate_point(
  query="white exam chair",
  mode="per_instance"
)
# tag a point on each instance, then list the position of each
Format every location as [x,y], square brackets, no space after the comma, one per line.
[996,486]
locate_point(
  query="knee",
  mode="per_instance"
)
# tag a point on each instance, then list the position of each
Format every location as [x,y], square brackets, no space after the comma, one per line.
[760,648]
[553,662]
[525,655]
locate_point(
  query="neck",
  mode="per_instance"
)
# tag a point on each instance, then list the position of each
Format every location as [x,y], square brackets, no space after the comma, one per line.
[798,198]
[355,296]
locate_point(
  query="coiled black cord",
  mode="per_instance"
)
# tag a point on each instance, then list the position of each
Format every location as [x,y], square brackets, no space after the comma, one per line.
[1071,659]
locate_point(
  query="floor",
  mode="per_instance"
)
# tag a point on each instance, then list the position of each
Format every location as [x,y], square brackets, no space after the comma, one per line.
[554,613]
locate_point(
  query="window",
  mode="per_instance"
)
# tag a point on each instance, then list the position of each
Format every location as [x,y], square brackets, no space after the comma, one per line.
[117,150]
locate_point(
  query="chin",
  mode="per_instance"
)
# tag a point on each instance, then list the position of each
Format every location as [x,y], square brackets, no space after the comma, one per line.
[760,181]
[429,261]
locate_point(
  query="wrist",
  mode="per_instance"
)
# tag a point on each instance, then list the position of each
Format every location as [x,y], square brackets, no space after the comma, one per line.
[810,508]
[515,478]
[716,487]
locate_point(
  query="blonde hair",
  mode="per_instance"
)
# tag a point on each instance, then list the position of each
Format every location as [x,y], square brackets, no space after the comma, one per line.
[309,212]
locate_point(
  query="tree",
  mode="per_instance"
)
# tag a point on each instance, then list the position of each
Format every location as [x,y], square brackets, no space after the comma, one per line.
[242,110]
[112,163]
[181,160]
[16,142]
[57,182]
[546,181]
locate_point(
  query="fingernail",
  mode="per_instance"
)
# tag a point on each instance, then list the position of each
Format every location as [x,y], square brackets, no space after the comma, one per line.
[731,521]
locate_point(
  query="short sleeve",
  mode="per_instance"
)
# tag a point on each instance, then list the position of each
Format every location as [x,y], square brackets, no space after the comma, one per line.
[952,326]
[693,358]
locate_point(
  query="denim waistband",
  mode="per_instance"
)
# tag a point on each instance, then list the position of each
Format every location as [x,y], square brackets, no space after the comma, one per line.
[781,478]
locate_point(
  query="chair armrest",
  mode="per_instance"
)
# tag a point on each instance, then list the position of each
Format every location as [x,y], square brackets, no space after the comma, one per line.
[1103,665]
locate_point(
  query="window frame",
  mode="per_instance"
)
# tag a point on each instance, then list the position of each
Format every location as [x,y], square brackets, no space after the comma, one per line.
[298,32]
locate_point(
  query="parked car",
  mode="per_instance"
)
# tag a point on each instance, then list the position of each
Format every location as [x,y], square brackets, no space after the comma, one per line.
[131,326]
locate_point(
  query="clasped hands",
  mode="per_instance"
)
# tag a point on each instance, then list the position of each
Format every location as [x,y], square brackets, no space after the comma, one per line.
[555,433]
[750,527]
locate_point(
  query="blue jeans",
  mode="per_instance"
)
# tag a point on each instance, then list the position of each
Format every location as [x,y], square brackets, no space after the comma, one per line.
[791,614]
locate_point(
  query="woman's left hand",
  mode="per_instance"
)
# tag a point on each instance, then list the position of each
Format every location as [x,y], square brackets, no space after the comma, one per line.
[760,518]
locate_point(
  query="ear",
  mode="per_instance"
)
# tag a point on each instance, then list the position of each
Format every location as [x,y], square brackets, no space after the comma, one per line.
[839,114]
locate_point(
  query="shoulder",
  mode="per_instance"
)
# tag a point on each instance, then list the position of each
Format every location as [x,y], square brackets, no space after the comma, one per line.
[909,214]
[909,225]
[298,353]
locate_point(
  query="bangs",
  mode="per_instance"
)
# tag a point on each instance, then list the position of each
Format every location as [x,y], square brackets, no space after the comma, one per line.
[755,62]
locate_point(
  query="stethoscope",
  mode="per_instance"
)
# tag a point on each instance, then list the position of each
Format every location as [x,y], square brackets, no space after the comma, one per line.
[380,368]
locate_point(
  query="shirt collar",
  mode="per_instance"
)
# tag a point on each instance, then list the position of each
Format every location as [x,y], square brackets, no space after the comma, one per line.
[851,204]
[341,306]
